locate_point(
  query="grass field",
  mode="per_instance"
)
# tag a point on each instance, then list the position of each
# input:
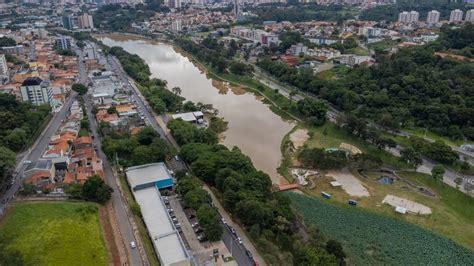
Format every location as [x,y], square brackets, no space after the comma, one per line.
[335,136]
[358,51]
[63,233]
[453,211]
[371,239]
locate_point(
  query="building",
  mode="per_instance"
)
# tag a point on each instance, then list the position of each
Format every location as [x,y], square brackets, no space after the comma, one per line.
[297,49]
[36,91]
[408,17]
[4,73]
[192,117]
[456,16]
[433,17]
[39,172]
[85,21]
[176,25]
[145,181]
[63,43]
[67,22]
[17,49]
[470,16]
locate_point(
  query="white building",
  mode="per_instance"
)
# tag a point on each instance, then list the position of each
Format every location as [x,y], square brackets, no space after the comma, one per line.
[297,49]
[36,91]
[176,25]
[4,73]
[433,17]
[470,16]
[408,17]
[456,16]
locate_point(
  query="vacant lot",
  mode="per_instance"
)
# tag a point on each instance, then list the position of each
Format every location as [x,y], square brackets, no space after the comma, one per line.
[64,233]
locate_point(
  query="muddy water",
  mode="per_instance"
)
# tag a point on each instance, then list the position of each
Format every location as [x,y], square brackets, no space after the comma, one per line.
[252,126]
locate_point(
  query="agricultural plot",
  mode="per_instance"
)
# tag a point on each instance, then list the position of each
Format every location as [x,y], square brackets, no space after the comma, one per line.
[373,239]
[63,233]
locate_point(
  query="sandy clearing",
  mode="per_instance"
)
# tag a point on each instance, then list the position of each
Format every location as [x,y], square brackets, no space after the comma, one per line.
[411,206]
[349,183]
[299,137]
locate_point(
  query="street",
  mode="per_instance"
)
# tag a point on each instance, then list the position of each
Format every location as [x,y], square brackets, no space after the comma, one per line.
[37,150]
[117,203]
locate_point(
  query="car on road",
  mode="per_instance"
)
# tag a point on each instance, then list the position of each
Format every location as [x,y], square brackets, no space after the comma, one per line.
[176,157]
[239,240]
[132,244]
[249,254]
[26,161]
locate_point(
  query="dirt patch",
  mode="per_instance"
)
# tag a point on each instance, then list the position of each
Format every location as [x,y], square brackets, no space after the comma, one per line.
[349,183]
[238,90]
[108,233]
[299,137]
[411,206]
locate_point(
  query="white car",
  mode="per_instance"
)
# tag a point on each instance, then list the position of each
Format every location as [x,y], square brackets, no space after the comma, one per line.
[26,161]
[132,244]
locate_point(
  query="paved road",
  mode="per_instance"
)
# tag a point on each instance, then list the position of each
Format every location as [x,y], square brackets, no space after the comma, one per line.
[38,148]
[118,205]
[231,243]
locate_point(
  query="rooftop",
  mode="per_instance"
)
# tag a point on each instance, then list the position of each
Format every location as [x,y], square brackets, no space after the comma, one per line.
[39,165]
[32,81]
[147,173]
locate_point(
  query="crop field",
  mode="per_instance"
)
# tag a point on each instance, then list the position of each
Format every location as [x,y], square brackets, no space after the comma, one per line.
[374,239]
[63,233]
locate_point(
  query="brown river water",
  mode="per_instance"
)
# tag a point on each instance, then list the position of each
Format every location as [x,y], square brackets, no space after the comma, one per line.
[253,127]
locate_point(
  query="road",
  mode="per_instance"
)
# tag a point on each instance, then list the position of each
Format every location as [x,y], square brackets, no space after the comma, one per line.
[332,114]
[176,165]
[118,204]
[38,148]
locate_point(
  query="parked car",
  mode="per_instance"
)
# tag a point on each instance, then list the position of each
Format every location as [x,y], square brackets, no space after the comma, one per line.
[197,230]
[239,240]
[196,224]
[132,244]
[191,216]
[202,237]
[249,254]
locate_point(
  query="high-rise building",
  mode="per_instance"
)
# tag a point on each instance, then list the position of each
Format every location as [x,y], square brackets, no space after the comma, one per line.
[85,21]
[456,16]
[63,43]
[433,17]
[67,22]
[408,17]
[237,9]
[176,25]
[470,16]
[4,73]
[36,91]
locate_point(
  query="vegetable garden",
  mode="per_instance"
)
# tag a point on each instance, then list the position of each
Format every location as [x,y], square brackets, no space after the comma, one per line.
[373,239]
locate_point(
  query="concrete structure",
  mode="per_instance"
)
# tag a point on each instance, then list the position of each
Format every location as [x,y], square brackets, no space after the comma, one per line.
[433,17]
[4,73]
[470,16]
[36,91]
[145,181]
[297,49]
[63,43]
[149,175]
[85,21]
[67,22]
[192,117]
[177,25]
[408,17]
[456,16]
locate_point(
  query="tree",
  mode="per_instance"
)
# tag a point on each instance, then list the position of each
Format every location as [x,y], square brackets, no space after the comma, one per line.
[6,41]
[176,90]
[437,172]
[112,110]
[95,189]
[411,157]
[292,94]
[79,88]
[7,162]
[146,135]
[197,197]
[335,248]
[314,110]
[209,221]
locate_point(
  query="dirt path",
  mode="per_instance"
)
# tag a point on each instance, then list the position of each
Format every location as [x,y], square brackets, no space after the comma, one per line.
[349,183]
[109,236]
[299,137]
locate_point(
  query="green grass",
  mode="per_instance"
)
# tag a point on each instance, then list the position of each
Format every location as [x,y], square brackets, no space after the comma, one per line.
[149,249]
[335,136]
[420,132]
[358,51]
[371,239]
[65,233]
[382,45]
[452,211]
[83,132]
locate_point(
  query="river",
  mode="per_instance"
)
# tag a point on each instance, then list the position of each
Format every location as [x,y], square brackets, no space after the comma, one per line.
[253,127]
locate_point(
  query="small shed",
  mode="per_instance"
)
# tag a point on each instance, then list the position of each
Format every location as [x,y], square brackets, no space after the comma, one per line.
[400,210]
[335,184]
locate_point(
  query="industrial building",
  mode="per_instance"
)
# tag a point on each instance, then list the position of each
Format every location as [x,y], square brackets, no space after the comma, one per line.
[146,182]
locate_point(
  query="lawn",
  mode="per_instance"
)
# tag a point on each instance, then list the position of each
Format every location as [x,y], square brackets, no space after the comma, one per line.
[335,136]
[371,239]
[453,211]
[358,51]
[63,233]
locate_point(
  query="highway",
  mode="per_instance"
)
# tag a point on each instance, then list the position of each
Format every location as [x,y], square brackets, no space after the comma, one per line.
[118,204]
